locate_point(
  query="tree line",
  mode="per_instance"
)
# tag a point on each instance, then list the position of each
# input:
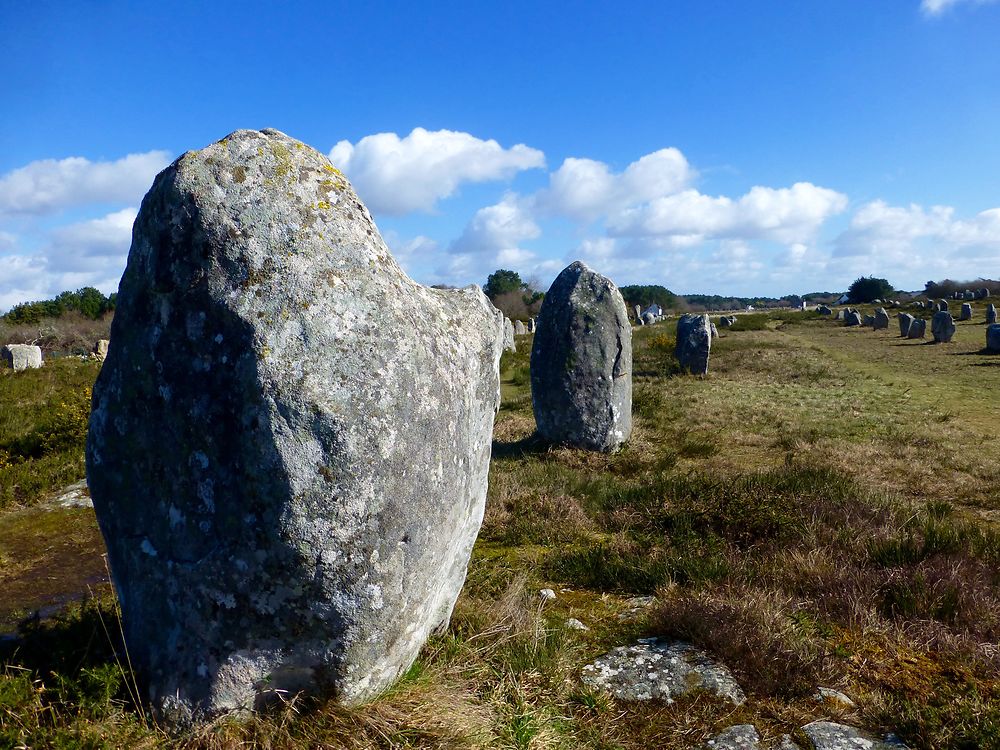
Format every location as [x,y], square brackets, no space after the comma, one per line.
[88,302]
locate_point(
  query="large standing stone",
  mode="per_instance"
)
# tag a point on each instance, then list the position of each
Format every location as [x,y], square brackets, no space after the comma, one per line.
[991,314]
[984,293]
[694,343]
[101,349]
[905,319]
[290,440]
[508,336]
[519,328]
[942,305]
[993,337]
[881,319]
[638,314]
[966,312]
[581,362]
[942,327]
[22,357]
[918,329]
[852,319]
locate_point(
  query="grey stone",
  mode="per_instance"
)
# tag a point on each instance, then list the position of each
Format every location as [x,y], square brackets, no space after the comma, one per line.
[993,337]
[834,698]
[508,336]
[881,319]
[918,329]
[715,331]
[984,293]
[657,669]
[841,314]
[546,595]
[290,441]
[21,357]
[868,321]
[966,312]
[638,314]
[852,319]
[75,495]
[942,305]
[942,327]
[991,314]
[823,310]
[905,320]
[969,294]
[694,343]
[573,624]
[828,735]
[520,329]
[787,743]
[727,321]
[739,737]
[101,348]
[648,319]
[581,362]
[636,606]
[531,325]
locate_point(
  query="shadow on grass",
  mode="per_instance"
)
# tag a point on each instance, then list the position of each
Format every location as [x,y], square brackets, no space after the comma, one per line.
[984,352]
[531,445]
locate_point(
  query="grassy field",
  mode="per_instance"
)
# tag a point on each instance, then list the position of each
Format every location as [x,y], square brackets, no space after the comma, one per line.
[819,510]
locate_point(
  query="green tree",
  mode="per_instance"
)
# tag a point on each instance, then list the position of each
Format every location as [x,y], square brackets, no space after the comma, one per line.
[503,281]
[645,295]
[867,289]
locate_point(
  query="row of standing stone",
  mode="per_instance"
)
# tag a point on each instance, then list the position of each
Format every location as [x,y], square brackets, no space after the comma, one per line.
[21,357]
[912,327]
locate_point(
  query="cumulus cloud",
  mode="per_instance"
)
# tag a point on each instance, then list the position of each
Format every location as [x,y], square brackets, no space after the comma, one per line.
[51,185]
[395,176]
[499,229]
[585,189]
[787,215]
[938,7]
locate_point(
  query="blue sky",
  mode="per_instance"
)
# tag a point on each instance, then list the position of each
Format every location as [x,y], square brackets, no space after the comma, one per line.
[716,147]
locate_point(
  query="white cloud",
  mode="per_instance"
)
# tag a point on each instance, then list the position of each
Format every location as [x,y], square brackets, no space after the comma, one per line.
[786,215]
[938,7]
[395,176]
[584,189]
[499,228]
[51,185]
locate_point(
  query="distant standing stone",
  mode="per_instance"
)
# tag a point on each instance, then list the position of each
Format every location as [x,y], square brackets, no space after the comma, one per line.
[943,305]
[823,310]
[969,294]
[881,319]
[993,337]
[727,321]
[984,293]
[852,319]
[991,313]
[531,325]
[918,329]
[942,327]
[519,328]
[905,320]
[581,362]
[22,357]
[648,318]
[638,314]
[868,321]
[694,343]
[715,331]
[966,312]
[101,348]
[508,336]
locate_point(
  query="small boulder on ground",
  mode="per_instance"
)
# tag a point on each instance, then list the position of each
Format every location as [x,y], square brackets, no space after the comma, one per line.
[966,312]
[648,318]
[727,321]
[21,357]
[942,327]
[984,293]
[638,314]
[657,669]
[739,737]
[581,362]
[694,343]
[829,735]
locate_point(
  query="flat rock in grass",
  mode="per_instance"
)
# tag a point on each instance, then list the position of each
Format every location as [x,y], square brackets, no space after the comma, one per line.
[290,441]
[21,357]
[918,329]
[966,312]
[508,336]
[75,495]
[993,337]
[991,314]
[739,737]
[834,698]
[581,362]
[828,735]
[942,327]
[657,669]
[694,343]
[905,320]
[881,319]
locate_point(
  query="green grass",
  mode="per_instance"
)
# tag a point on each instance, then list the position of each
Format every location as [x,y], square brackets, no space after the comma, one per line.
[819,510]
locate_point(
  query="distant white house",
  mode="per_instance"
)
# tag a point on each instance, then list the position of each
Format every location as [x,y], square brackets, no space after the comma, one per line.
[749,308]
[844,298]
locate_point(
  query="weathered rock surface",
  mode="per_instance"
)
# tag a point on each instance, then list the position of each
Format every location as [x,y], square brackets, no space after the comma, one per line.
[993,337]
[905,320]
[881,319]
[638,314]
[984,293]
[833,698]
[739,737]
[991,314]
[966,312]
[942,327]
[694,343]
[656,669]
[942,305]
[648,319]
[868,321]
[519,328]
[508,336]
[290,439]
[21,357]
[101,348]
[918,329]
[852,319]
[715,331]
[828,735]
[581,362]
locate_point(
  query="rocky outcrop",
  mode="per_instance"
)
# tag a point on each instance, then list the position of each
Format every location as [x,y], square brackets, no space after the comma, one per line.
[290,439]
[21,357]
[581,362]
[694,343]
